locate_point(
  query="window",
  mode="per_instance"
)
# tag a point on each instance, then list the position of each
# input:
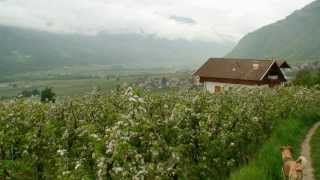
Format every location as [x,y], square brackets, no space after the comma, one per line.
[218,89]
[273,77]
[255,66]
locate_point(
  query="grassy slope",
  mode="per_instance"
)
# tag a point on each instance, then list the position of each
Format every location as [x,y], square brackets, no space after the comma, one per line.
[267,164]
[315,153]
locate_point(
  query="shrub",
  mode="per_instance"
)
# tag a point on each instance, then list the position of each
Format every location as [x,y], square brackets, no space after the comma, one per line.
[29,93]
[308,78]
[47,95]
[130,134]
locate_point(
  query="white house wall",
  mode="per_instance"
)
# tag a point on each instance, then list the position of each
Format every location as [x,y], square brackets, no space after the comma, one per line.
[210,86]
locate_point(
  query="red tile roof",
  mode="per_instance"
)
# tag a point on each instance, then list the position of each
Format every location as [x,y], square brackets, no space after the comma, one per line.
[240,69]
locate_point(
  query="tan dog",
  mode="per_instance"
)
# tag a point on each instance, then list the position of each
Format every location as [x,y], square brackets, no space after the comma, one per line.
[291,169]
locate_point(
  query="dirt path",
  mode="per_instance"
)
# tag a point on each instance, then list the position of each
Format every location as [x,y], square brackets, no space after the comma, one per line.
[305,151]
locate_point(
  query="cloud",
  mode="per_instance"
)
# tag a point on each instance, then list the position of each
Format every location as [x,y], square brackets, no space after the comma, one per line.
[208,20]
[184,20]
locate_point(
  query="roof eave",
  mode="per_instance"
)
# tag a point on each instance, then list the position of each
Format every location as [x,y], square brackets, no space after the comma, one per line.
[266,72]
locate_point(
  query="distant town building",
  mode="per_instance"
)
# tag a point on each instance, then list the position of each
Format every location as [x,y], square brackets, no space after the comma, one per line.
[219,74]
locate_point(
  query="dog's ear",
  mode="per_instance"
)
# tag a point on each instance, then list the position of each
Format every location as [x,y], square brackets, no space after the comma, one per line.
[286,147]
[299,161]
[290,148]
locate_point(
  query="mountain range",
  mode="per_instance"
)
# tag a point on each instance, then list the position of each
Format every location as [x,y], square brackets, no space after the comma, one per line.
[295,38]
[25,50]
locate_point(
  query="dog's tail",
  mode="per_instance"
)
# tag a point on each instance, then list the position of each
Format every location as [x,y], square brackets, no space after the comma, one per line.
[302,161]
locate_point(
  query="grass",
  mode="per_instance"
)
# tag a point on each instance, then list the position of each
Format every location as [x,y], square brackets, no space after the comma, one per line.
[86,71]
[61,87]
[267,163]
[315,153]
[71,87]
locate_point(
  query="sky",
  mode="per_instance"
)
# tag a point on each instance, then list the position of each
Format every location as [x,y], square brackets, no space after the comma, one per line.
[205,20]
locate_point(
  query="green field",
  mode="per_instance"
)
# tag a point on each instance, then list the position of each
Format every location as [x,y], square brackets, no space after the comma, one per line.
[85,72]
[79,85]
[60,87]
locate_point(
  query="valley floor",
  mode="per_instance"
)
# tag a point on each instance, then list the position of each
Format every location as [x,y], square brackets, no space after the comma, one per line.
[79,86]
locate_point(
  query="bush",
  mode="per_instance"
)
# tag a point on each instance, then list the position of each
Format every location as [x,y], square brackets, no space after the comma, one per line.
[47,95]
[29,93]
[134,134]
[308,78]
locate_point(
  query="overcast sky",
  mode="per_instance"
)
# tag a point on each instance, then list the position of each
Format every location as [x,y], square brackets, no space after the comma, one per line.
[210,20]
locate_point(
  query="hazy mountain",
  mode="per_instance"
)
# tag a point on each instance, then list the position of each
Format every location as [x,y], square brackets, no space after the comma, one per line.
[295,38]
[24,50]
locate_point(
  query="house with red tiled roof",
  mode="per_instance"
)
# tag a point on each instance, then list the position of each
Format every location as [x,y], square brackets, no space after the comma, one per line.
[218,74]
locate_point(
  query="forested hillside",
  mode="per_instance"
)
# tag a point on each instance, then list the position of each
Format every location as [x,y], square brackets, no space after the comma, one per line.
[296,38]
[28,50]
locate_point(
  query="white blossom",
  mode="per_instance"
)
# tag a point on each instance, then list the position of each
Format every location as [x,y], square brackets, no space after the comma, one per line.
[117,169]
[78,164]
[61,152]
